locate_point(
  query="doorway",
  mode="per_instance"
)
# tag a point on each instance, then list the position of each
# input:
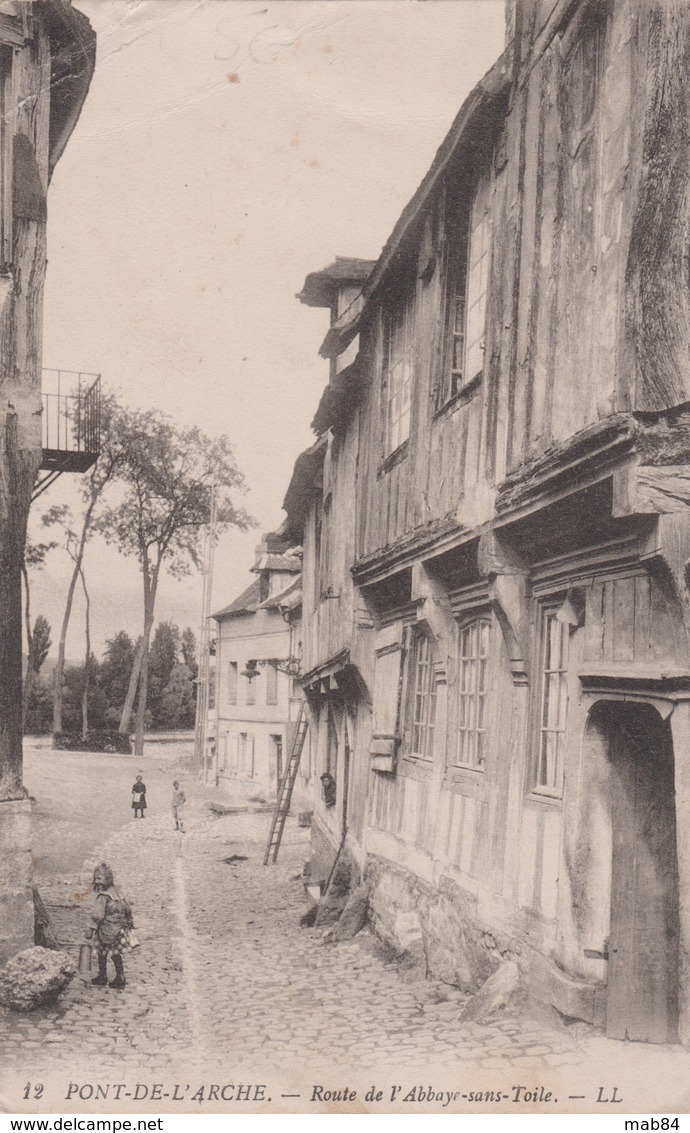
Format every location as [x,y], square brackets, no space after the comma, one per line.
[643,978]
[275,759]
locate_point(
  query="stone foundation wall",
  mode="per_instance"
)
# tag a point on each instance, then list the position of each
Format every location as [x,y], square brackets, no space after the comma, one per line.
[16,872]
[440,930]
[438,927]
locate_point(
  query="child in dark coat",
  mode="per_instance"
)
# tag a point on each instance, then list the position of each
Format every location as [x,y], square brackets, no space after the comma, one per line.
[139,797]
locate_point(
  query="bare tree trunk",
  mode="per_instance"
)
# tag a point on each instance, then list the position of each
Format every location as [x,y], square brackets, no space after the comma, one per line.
[150,587]
[143,697]
[87,663]
[128,706]
[60,665]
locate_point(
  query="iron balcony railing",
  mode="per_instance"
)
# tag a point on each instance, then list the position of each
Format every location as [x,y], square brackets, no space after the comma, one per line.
[71,420]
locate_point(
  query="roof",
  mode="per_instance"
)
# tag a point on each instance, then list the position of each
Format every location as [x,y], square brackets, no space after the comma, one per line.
[73,47]
[246,603]
[302,487]
[339,398]
[320,287]
[290,562]
[469,126]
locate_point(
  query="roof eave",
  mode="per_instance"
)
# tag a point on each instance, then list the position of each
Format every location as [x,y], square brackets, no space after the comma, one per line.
[73,43]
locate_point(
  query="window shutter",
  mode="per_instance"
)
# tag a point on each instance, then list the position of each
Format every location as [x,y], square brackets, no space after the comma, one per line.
[387,696]
[232,682]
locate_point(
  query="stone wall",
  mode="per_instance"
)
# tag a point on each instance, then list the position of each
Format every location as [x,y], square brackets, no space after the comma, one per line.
[16,896]
[435,926]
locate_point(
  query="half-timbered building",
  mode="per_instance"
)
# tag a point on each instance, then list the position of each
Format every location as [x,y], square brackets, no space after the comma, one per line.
[496,532]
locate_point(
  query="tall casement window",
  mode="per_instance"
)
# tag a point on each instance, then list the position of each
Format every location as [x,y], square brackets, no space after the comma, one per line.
[423,688]
[271,684]
[398,362]
[232,682]
[477,281]
[467,287]
[250,697]
[553,708]
[326,547]
[473,656]
[318,531]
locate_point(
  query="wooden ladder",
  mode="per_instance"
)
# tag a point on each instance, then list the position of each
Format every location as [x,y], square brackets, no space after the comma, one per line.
[285,790]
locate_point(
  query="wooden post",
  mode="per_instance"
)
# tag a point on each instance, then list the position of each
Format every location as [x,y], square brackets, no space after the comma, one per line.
[201,724]
[680,731]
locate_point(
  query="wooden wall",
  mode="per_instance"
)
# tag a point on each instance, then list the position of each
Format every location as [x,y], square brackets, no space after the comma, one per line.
[557,358]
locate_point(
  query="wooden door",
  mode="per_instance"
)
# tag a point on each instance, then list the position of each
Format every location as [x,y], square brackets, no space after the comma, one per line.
[642,996]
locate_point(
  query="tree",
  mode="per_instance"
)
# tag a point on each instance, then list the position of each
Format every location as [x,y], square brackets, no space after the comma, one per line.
[39,646]
[74,688]
[41,642]
[39,713]
[34,556]
[189,652]
[77,534]
[114,673]
[88,658]
[166,477]
[176,706]
[163,656]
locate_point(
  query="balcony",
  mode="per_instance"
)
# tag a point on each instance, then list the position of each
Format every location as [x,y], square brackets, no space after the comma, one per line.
[71,423]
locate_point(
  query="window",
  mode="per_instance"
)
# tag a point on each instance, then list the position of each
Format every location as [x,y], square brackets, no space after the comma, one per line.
[232,682]
[424,697]
[246,753]
[276,758]
[212,689]
[271,684]
[332,742]
[251,689]
[553,709]
[326,547]
[399,351]
[477,281]
[468,279]
[318,531]
[473,655]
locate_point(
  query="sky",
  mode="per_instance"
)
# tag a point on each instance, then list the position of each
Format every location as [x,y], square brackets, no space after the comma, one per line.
[226,149]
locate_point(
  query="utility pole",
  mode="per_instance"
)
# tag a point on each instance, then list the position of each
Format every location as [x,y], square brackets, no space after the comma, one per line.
[201,723]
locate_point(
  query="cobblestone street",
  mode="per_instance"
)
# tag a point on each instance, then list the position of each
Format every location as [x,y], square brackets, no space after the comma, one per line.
[227,986]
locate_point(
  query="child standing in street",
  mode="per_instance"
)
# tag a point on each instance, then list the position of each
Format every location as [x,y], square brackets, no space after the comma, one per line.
[178,800]
[110,925]
[139,797]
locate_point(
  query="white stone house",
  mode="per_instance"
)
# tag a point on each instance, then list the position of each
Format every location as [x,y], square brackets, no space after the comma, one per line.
[257,697]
